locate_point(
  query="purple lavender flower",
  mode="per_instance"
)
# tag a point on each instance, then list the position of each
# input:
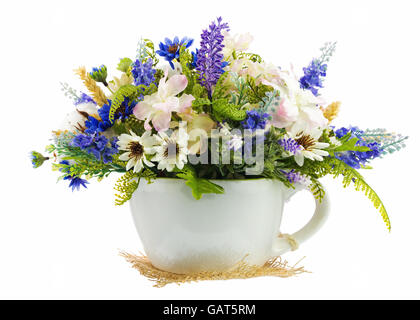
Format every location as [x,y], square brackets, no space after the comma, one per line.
[84,98]
[209,56]
[296,177]
[290,145]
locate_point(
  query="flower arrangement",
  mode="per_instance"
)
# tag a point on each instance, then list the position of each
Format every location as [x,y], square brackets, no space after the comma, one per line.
[217,112]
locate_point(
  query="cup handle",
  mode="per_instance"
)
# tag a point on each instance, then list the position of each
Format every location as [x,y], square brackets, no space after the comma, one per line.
[284,242]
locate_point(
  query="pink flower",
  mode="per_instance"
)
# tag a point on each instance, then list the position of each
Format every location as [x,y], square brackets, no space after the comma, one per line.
[159,106]
[284,114]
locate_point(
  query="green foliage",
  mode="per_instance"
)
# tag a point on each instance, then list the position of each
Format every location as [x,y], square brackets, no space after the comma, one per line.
[220,89]
[124,65]
[128,91]
[240,96]
[123,92]
[185,59]
[37,159]
[135,125]
[223,110]
[335,167]
[198,91]
[251,56]
[130,124]
[257,93]
[99,74]
[351,175]
[128,183]
[317,189]
[84,163]
[348,144]
[198,186]
[146,50]
[69,92]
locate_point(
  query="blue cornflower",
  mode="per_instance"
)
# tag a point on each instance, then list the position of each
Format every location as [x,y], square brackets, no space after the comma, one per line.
[193,63]
[311,80]
[170,49]
[290,145]
[143,73]
[255,120]
[94,125]
[75,182]
[84,98]
[99,74]
[37,159]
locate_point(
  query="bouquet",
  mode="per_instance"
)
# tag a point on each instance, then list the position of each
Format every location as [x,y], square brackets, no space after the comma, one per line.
[216,112]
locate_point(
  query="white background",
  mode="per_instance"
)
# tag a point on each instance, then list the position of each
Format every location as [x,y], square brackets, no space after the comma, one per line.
[58,244]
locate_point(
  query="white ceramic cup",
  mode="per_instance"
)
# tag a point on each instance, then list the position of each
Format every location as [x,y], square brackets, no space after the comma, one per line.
[183,235]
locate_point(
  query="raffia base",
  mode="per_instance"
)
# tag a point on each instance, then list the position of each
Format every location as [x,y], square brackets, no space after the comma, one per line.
[274,267]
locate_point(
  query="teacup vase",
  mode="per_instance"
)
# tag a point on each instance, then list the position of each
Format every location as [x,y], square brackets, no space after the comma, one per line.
[183,235]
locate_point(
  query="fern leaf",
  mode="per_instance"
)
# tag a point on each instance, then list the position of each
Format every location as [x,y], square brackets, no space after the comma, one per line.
[317,190]
[220,90]
[353,176]
[224,110]
[126,91]
[126,185]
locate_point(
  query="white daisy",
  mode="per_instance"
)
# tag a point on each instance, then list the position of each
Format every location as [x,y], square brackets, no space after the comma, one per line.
[171,151]
[311,148]
[136,149]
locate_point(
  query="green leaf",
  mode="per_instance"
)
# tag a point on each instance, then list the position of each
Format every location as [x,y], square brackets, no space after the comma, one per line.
[198,186]
[350,145]
[185,59]
[199,91]
[124,64]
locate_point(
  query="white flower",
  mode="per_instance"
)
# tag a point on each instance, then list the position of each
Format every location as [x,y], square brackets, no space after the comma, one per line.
[237,42]
[311,147]
[177,70]
[171,150]
[75,120]
[136,149]
[298,108]
[259,71]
